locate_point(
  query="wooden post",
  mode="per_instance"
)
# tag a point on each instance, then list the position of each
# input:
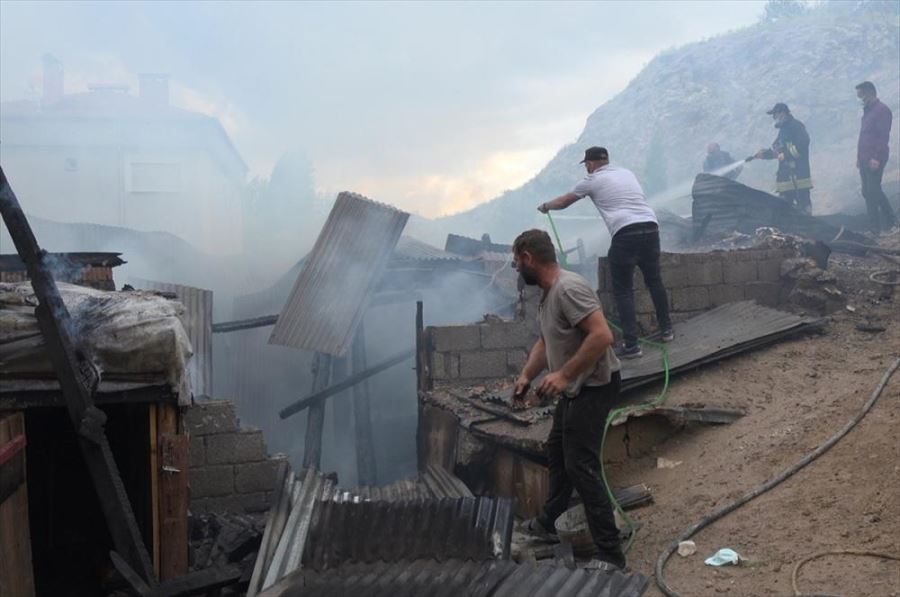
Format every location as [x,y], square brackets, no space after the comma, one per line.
[366,470]
[341,407]
[423,368]
[173,462]
[16,574]
[315,418]
[154,486]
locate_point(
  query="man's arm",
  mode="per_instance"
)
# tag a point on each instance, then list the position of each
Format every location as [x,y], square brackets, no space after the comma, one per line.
[598,338]
[561,202]
[537,362]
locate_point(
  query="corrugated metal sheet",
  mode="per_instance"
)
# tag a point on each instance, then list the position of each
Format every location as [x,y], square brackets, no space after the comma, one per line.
[197,320]
[434,482]
[455,578]
[714,335]
[337,280]
[14,263]
[464,528]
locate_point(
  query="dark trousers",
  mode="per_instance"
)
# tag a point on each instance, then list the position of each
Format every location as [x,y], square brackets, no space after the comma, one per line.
[637,245]
[574,451]
[881,216]
[800,198]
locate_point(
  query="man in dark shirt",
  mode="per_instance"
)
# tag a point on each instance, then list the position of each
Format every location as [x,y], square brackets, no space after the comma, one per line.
[791,148]
[872,155]
[717,158]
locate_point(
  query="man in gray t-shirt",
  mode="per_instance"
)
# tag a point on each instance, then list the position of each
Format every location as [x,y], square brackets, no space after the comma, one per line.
[576,346]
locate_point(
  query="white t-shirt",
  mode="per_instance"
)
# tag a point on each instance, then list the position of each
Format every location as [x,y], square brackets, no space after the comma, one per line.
[618,196]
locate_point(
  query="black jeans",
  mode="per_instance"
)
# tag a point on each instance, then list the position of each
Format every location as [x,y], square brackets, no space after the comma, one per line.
[881,216]
[637,245]
[574,451]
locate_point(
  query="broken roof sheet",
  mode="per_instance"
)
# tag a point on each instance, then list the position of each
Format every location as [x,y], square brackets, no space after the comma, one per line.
[456,578]
[433,482]
[721,332]
[337,279]
[464,528]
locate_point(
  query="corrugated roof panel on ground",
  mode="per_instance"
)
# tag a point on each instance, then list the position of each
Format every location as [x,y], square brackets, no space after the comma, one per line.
[471,528]
[457,578]
[337,280]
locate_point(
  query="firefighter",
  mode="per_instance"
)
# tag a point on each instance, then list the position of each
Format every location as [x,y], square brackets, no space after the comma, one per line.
[791,149]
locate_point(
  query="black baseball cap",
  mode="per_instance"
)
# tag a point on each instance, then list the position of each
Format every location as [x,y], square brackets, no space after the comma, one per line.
[595,154]
[779,107]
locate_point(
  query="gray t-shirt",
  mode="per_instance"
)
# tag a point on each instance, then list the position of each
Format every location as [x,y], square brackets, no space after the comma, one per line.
[562,308]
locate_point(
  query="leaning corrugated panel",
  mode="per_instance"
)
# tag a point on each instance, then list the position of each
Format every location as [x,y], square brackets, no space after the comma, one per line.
[339,276]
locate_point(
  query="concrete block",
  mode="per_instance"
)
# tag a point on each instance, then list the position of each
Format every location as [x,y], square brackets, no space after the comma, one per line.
[675,276]
[246,446]
[245,503]
[255,476]
[764,293]
[750,254]
[446,365]
[515,360]
[643,303]
[705,273]
[769,270]
[721,294]
[482,364]
[206,418]
[456,337]
[506,334]
[671,260]
[740,272]
[211,481]
[198,451]
[695,298]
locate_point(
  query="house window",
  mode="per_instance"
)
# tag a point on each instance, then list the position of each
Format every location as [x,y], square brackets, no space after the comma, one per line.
[154,177]
[71,164]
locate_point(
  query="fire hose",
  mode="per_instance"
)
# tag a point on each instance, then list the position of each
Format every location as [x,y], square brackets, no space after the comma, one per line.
[761,489]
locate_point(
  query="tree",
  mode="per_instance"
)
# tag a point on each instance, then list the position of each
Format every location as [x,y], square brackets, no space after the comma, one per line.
[655,176]
[779,10]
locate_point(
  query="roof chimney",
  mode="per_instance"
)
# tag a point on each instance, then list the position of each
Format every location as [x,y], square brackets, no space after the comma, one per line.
[52,90]
[154,89]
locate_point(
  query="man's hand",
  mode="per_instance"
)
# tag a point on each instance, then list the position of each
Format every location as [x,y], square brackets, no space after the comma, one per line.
[780,157]
[543,208]
[553,385]
[761,154]
[521,390]
[874,164]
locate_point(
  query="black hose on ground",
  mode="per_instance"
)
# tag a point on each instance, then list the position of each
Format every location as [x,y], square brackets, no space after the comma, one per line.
[761,489]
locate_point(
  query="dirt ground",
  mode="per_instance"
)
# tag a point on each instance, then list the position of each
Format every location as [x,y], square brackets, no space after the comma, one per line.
[796,394]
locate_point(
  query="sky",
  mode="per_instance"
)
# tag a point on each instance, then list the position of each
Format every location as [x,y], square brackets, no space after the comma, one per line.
[432,106]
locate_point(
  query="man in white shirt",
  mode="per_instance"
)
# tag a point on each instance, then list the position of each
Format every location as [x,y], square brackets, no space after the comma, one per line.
[631,222]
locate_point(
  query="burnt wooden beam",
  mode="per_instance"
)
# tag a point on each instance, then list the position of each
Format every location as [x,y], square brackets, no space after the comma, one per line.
[366,470]
[315,419]
[78,380]
[322,394]
[244,324]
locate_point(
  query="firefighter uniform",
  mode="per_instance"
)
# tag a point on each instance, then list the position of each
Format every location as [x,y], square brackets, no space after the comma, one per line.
[791,149]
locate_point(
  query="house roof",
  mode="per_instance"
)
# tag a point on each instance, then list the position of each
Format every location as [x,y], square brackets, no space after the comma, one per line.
[109,104]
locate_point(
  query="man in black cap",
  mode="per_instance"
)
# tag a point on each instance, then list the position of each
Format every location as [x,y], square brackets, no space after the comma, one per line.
[791,149]
[631,222]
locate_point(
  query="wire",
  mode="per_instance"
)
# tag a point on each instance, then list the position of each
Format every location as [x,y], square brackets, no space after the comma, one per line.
[761,489]
[840,552]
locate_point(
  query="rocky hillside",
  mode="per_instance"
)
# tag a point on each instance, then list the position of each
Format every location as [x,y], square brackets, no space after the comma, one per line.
[719,90]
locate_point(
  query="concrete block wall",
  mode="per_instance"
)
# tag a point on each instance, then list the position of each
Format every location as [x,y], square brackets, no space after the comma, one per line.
[478,352]
[230,468]
[696,282]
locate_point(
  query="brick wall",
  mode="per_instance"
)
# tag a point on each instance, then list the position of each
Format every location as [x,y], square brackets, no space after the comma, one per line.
[230,469]
[479,351]
[696,282]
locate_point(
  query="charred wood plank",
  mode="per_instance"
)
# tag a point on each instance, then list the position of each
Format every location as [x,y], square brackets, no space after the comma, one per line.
[362,418]
[324,393]
[315,419]
[78,380]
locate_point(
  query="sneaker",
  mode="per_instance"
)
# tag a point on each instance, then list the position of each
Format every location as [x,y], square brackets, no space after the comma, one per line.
[603,566]
[667,335]
[533,527]
[629,352]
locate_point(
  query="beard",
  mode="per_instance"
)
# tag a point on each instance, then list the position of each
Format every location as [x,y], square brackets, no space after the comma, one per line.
[528,276]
